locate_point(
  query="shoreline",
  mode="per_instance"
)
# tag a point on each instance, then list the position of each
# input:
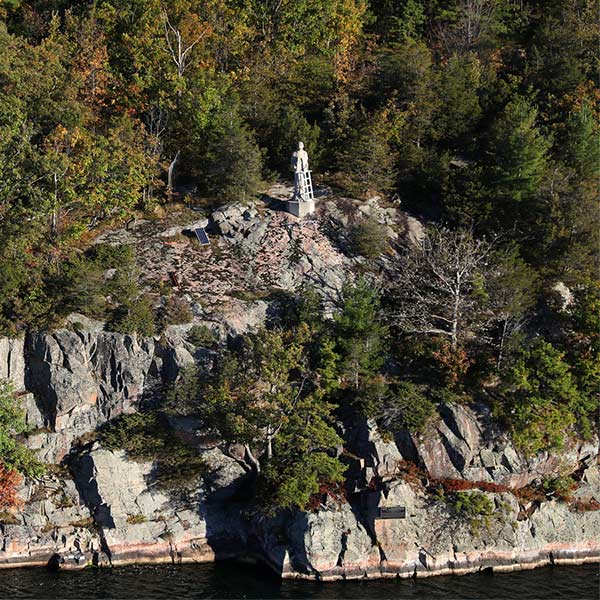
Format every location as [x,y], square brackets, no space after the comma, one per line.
[588,554]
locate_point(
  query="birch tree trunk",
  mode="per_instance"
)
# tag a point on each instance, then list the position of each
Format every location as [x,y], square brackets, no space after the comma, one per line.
[170,173]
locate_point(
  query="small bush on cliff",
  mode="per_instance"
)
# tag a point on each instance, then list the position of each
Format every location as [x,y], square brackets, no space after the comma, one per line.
[147,436]
[359,335]
[136,316]
[234,161]
[201,336]
[15,455]
[104,277]
[473,504]
[561,487]
[368,238]
[476,507]
[407,407]
[9,482]
[175,311]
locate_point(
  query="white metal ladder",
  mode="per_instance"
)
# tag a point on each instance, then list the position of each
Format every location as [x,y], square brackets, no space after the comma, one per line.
[305,185]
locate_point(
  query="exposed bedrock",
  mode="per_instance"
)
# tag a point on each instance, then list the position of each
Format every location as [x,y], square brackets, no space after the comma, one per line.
[81,379]
[464,443]
[72,380]
[111,512]
[336,542]
[53,522]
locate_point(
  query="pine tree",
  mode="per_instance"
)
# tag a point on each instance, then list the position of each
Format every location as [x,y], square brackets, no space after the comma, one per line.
[518,152]
[359,334]
[582,143]
[233,169]
[368,158]
[266,397]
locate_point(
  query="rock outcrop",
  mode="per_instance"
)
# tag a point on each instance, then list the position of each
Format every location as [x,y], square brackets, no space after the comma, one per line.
[12,363]
[136,521]
[54,526]
[354,542]
[100,507]
[465,443]
[81,379]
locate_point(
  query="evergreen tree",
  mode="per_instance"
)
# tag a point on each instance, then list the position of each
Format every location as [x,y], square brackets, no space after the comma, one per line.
[460,111]
[266,397]
[234,161]
[368,160]
[582,143]
[290,127]
[518,152]
[541,400]
[359,336]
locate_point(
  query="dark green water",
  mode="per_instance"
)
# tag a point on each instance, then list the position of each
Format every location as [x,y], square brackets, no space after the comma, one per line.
[240,581]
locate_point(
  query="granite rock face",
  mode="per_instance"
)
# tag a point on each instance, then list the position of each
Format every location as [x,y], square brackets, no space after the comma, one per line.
[80,379]
[433,539]
[72,380]
[464,443]
[135,521]
[100,507]
[12,362]
[53,522]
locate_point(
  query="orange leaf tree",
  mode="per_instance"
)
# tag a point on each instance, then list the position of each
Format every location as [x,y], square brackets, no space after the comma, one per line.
[9,481]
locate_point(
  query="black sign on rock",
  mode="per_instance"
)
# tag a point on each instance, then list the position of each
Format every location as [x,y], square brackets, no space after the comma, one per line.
[392,512]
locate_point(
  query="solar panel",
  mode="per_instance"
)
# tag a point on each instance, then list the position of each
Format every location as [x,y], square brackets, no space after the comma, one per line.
[201,235]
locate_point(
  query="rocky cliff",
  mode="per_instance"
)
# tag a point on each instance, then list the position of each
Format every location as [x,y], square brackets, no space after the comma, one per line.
[97,506]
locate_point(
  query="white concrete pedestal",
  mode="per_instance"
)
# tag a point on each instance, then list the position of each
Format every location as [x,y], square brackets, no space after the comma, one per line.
[301,209]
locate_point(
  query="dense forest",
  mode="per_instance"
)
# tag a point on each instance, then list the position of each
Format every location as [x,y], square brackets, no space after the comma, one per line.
[480,117]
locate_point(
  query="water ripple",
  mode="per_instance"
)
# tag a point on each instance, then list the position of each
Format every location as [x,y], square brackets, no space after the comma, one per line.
[227,580]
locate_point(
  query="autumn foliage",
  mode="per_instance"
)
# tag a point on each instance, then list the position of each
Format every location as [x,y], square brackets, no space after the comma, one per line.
[9,482]
[459,485]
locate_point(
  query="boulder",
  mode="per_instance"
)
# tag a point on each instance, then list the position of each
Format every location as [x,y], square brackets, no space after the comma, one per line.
[226,474]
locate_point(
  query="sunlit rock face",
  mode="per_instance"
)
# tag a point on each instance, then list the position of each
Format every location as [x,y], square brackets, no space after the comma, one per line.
[97,506]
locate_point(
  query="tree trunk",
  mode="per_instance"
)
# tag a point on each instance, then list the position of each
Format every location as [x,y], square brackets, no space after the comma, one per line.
[502,341]
[54,223]
[269,442]
[170,173]
[252,459]
[455,311]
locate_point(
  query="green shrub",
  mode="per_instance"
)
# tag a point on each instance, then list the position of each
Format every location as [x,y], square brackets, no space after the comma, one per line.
[110,256]
[141,435]
[134,317]
[541,401]
[201,336]
[14,454]
[476,506]
[473,504]
[368,238]
[175,311]
[407,407]
[367,161]
[182,396]
[147,436]
[562,487]
[86,288]
[136,519]
[234,161]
